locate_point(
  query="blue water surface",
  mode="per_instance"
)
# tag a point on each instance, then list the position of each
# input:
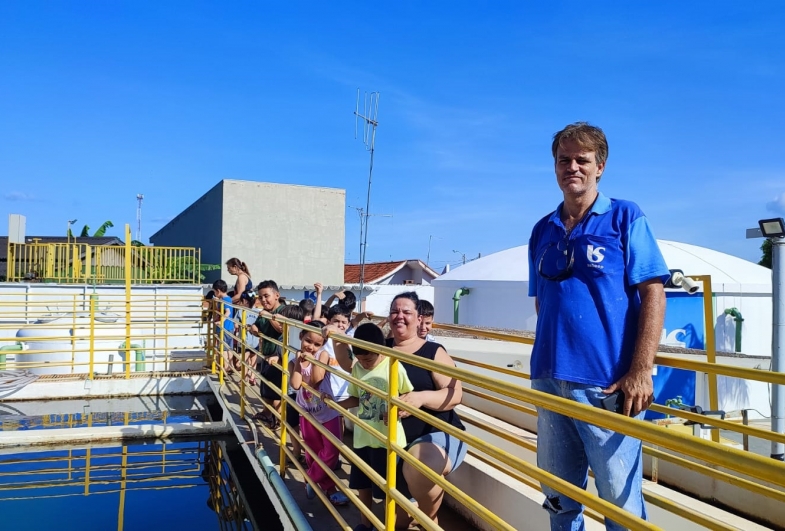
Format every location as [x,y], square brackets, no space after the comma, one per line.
[178,485]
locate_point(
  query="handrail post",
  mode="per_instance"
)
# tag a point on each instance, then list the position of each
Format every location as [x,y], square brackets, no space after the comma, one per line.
[392,437]
[11,262]
[221,345]
[745,420]
[92,337]
[127,301]
[73,334]
[711,346]
[243,317]
[284,393]
[211,334]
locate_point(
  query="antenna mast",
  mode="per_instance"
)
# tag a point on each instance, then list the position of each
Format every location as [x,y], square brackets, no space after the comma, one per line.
[370,121]
[139,199]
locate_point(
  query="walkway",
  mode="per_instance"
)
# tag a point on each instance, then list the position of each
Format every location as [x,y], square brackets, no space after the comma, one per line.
[314,511]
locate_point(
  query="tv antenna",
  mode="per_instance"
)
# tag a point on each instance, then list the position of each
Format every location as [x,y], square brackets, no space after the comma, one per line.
[139,199]
[363,216]
[369,117]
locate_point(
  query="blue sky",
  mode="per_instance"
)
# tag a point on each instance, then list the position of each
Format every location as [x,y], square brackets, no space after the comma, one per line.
[102,100]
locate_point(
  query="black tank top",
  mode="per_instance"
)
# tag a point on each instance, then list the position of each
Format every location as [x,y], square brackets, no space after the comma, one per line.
[423,381]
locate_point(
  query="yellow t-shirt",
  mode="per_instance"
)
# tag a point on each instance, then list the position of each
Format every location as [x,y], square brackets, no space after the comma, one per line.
[372,408]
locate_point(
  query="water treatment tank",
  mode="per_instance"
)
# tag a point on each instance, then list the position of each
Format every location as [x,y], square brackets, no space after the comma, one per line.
[54,341]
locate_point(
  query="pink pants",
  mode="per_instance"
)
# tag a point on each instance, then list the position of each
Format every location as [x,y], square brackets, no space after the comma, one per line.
[326,450]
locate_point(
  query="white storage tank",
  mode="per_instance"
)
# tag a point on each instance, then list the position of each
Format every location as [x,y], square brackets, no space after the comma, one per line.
[49,348]
[56,340]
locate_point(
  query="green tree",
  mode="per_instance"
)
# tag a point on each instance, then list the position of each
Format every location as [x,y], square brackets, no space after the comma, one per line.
[100,233]
[765,247]
[175,268]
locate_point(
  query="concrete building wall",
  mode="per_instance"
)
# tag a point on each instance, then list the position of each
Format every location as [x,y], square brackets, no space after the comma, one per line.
[400,277]
[302,243]
[198,226]
[408,273]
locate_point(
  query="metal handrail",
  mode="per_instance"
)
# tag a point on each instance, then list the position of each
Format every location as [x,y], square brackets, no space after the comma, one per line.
[712,453]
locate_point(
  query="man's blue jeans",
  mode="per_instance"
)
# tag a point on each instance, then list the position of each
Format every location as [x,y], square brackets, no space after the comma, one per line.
[567,448]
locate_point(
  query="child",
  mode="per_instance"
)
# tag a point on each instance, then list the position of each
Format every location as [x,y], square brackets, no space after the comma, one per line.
[339,318]
[303,371]
[292,415]
[308,306]
[224,310]
[372,369]
[425,309]
[346,300]
[251,346]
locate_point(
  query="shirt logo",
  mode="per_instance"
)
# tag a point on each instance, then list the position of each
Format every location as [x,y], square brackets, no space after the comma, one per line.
[595,256]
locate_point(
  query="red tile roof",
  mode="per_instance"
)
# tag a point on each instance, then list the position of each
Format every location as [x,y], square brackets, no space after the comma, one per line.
[373,271]
[378,271]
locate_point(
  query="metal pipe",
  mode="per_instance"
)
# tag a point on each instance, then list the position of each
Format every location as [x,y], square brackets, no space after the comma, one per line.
[455,302]
[736,314]
[287,500]
[778,342]
[13,348]
[711,345]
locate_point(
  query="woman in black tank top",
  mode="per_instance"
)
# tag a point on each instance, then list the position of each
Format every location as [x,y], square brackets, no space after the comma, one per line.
[433,393]
[237,267]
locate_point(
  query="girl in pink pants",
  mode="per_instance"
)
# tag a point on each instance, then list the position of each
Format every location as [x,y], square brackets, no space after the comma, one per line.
[304,372]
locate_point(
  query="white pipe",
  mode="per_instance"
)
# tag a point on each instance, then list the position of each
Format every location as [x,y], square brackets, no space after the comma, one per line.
[778,342]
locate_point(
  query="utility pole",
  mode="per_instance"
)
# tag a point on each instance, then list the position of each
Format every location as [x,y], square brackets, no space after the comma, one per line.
[370,122]
[463,256]
[428,258]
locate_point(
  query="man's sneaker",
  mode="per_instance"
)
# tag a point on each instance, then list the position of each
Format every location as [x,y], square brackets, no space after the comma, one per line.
[309,492]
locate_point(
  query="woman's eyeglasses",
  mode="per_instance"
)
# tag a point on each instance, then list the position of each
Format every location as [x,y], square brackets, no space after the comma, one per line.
[557,260]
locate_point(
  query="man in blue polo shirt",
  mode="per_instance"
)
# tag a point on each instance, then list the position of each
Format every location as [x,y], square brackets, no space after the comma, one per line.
[597,275]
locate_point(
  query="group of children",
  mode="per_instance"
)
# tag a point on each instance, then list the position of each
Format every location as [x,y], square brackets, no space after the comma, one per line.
[310,384]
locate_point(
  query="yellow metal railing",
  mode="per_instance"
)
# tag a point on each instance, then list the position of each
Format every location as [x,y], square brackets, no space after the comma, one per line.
[743,469]
[158,325]
[106,333]
[75,262]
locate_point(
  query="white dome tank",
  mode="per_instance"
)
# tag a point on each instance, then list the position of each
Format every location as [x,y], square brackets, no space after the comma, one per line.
[60,338]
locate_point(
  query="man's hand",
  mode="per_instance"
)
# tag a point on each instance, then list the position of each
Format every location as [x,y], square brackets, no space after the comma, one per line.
[638,389]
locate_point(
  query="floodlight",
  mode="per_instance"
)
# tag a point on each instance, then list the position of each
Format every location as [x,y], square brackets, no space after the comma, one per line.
[772,228]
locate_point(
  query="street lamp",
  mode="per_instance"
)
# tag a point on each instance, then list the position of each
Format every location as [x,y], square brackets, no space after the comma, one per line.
[774,230]
[463,256]
[68,234]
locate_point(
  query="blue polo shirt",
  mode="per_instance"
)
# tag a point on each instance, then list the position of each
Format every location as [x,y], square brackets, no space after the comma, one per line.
[588,323]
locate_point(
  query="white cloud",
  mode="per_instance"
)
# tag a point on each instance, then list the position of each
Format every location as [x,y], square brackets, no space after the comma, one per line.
[777,205]
[18,196]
